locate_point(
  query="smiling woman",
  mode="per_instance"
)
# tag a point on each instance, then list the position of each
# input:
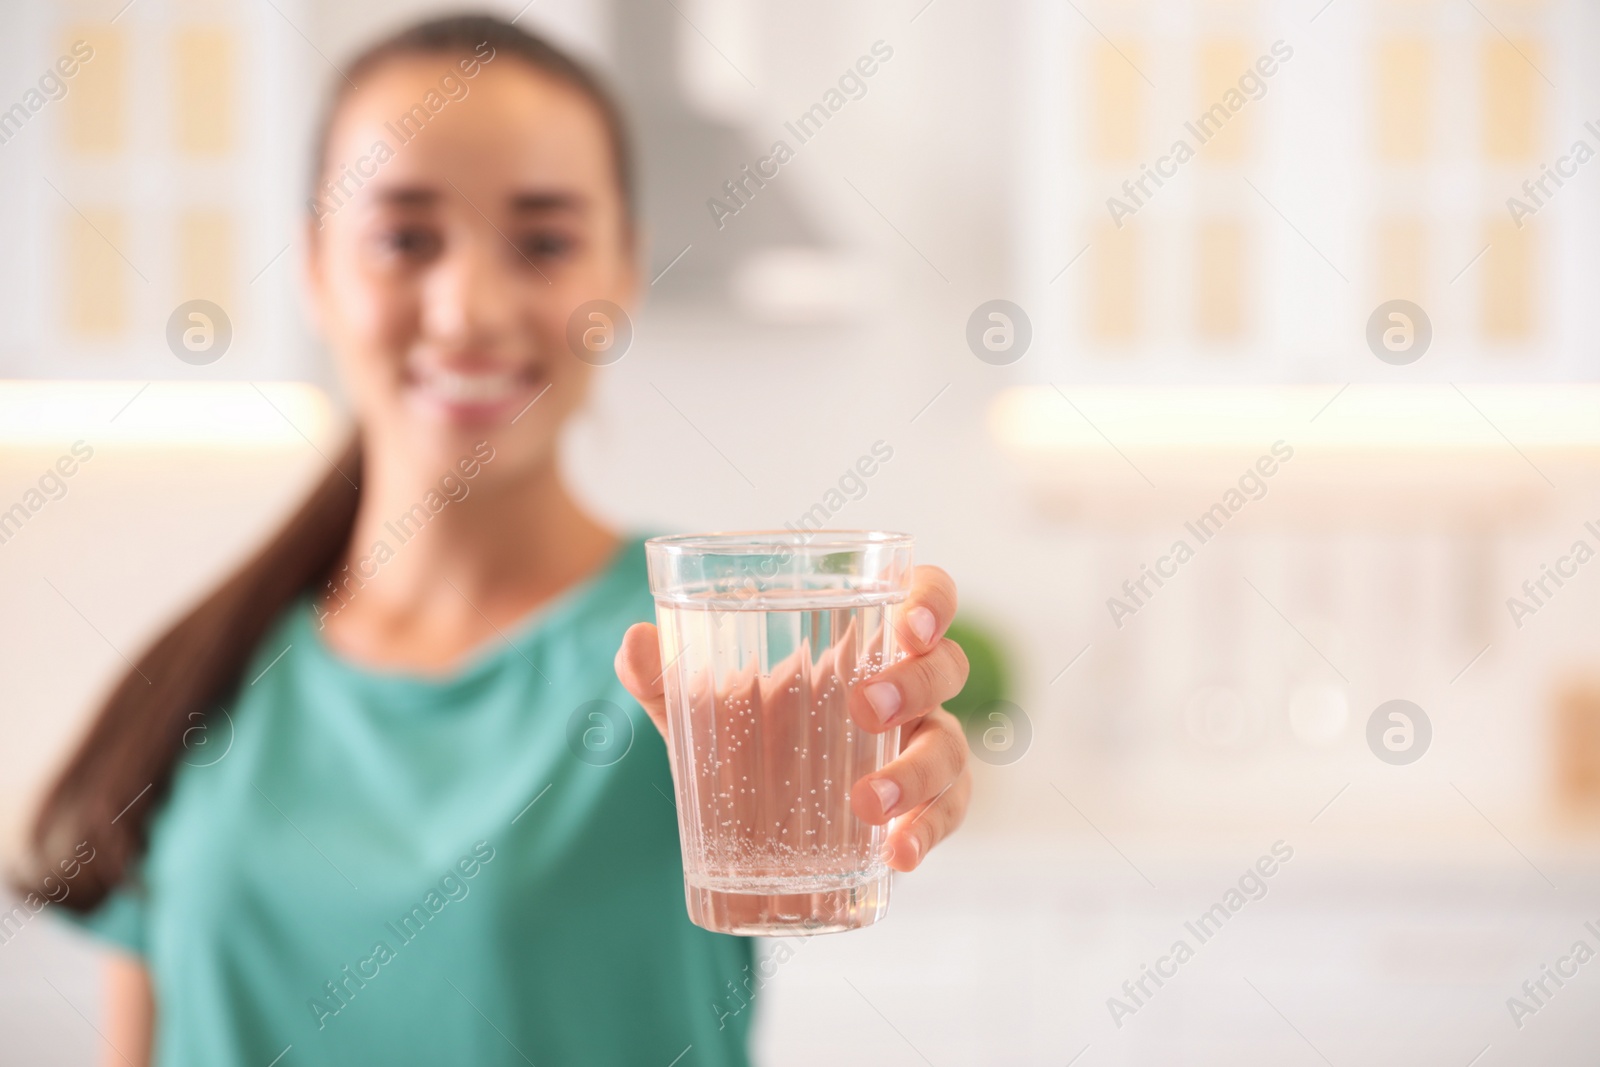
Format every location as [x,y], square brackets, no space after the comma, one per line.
[522,228]
[375,737]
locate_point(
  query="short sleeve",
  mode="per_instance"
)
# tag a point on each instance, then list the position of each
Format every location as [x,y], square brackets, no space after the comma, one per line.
[119,920]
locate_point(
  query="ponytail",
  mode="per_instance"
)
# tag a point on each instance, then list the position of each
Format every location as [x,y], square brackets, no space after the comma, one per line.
[123,767]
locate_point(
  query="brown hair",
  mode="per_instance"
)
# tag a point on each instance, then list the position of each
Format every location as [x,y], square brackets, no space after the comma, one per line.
[462,35]
[123,768]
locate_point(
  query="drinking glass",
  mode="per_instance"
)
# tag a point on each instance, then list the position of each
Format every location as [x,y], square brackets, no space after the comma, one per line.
[763,634]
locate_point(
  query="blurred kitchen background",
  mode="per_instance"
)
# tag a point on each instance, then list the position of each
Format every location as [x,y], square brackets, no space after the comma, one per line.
[1144,759]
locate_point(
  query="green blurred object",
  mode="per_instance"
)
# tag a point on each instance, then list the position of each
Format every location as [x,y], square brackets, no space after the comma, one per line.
[837,563]
[989,677]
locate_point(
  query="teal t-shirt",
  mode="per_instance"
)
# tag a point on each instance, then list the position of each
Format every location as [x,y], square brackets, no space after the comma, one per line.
[358,866]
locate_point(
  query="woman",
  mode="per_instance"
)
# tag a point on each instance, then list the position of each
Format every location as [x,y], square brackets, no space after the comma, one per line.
[332,816]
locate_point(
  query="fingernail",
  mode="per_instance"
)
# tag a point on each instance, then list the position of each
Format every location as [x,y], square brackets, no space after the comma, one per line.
[910,849]
[888,794]
[922,623]
[884,698]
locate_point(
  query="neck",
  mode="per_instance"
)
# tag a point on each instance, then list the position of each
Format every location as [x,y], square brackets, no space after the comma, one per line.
[432,569]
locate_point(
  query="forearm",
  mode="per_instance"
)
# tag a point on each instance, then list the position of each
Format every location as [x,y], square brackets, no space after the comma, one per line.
[130,1012]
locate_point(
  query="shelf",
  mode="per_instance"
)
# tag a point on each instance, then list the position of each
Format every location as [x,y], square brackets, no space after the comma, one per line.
[1482,455]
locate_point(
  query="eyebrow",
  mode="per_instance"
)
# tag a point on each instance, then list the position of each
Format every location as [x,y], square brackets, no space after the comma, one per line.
[408,196]
[537,202]
[548,201]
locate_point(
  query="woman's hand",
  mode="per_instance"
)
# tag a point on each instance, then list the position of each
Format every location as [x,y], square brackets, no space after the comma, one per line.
[925,790]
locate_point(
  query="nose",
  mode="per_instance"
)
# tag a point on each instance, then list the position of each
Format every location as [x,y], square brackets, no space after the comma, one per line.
[470,298]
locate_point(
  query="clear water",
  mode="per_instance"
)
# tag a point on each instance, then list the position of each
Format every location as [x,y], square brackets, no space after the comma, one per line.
[765,755]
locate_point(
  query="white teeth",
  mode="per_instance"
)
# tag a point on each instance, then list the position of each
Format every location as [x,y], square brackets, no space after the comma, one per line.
[472,388]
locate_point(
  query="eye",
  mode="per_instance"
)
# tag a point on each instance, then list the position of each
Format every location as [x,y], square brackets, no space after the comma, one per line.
[416,243]
[546,245]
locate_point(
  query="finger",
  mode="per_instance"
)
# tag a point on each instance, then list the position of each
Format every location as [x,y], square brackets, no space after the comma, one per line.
[932,757]
[909,689]
[914,837]
[638,666]
[928,609]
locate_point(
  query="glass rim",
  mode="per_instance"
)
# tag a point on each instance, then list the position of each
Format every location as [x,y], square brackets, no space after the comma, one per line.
[762,542]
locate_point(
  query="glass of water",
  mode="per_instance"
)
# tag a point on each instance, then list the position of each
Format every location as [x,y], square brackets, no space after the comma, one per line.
[762,636]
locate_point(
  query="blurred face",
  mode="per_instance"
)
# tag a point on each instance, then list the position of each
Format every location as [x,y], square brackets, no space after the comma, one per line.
[444,268]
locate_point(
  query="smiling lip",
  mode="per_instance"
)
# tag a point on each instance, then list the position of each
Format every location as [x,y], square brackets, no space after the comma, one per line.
[473,394]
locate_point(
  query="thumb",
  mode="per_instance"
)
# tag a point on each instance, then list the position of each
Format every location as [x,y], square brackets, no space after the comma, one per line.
[638,666]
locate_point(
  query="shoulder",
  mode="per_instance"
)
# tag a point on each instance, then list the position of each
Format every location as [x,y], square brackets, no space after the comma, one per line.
[295,624]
